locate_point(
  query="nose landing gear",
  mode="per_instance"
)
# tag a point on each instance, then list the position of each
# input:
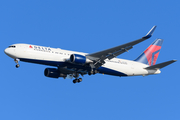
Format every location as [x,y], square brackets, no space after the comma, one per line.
[17,62]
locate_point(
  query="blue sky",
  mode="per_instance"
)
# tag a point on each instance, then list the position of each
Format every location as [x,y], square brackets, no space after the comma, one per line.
[89,26]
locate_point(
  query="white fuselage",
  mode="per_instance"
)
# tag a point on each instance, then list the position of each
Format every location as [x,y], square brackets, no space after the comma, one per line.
[55,56]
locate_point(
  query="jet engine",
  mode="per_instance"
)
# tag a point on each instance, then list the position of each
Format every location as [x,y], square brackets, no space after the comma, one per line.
[79,59]
[53,73]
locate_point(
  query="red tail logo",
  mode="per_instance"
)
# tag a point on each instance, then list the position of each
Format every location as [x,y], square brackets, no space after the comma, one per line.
[152,53]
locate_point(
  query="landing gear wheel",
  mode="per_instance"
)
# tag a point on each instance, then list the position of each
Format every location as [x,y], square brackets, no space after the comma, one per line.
[74,81]
[17,65]
[16,61]
[93,72]
[90,73]
[79,80]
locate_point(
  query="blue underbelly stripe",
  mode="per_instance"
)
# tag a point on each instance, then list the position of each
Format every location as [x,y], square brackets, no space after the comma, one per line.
[110,71]
[70,65]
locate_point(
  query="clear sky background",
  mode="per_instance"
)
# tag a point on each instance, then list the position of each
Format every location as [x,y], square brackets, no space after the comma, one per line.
[89,26]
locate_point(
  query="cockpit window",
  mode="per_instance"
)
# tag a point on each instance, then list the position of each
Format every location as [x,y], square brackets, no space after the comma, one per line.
[12,46]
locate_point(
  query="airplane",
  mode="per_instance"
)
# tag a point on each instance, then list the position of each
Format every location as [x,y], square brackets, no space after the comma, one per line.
[73,64]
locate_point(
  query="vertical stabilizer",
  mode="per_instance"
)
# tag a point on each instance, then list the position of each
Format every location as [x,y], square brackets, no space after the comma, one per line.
[150,55]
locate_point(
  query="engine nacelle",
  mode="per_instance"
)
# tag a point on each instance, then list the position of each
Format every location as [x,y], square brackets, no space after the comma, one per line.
[53,73]
[79,59]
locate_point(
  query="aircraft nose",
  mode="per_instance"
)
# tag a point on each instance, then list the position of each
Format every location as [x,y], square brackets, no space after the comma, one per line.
[9,52]
[6,51]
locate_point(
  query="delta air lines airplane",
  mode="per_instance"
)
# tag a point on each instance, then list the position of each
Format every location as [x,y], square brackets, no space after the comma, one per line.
[73,64]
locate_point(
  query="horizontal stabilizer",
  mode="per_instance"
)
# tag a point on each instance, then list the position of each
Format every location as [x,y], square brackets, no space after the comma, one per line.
[161,65]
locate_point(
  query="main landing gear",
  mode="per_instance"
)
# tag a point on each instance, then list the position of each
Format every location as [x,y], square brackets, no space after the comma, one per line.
[17,63]
[77,80]
[92,72]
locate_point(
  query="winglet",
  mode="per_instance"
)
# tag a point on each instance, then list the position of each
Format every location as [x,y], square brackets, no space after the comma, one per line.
[150,33]
[161,65]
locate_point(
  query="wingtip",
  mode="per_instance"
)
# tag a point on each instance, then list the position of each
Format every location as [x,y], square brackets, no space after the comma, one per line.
[174,60]
[150,33]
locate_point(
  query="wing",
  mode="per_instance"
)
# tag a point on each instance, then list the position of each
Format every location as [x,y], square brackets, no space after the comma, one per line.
[99,57]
